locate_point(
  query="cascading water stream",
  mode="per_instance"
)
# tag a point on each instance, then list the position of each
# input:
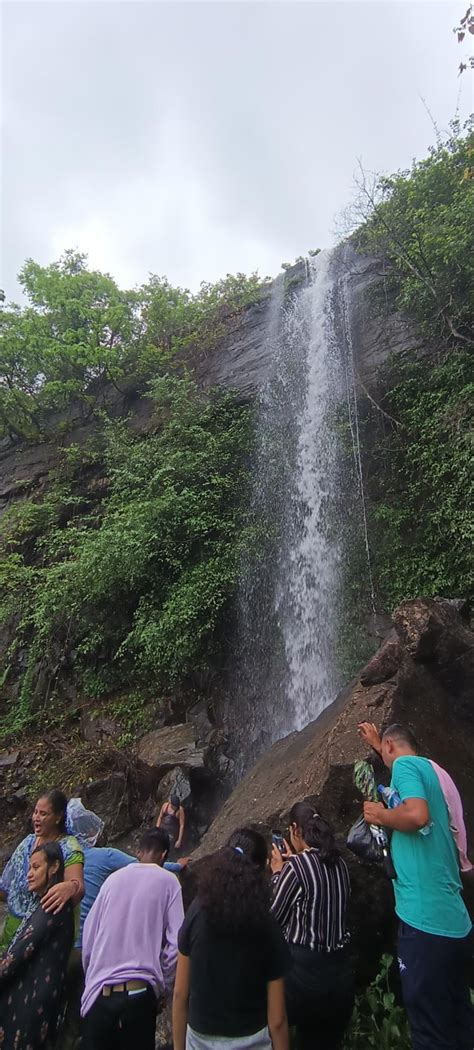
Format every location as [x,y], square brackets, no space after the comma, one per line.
[291,596]
[307,582]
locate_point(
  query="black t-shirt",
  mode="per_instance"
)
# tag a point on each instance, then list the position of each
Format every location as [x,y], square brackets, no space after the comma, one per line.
[229,975]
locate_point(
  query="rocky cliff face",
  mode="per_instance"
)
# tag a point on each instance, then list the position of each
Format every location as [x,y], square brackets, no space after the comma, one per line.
[243,360]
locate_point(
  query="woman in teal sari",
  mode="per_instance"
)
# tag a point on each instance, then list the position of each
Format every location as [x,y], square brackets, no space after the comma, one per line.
[50,824]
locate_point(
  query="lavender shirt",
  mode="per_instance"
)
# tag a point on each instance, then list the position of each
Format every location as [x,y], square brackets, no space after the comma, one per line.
[131,931]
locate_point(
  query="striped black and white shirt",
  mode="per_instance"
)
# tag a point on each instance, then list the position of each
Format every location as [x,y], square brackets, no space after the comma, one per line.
[310,901]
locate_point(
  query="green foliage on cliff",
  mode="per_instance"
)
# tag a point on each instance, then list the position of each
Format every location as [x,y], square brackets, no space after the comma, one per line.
[419,454]
[80,335]
[129,595]
[420,222]
[422,482]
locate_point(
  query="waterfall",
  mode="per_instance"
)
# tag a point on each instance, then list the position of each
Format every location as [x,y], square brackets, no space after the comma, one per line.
[308,571]
[291,595]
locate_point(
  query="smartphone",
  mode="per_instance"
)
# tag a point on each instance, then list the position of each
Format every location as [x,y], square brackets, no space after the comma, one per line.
[278,840]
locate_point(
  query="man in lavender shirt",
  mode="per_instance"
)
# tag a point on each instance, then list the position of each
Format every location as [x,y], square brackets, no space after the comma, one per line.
[129,952]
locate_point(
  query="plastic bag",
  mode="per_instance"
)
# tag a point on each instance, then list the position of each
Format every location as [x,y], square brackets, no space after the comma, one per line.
[85,825]
[363,843]
[370,843]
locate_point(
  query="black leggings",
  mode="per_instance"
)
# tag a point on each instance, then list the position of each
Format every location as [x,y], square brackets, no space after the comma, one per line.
[319,997]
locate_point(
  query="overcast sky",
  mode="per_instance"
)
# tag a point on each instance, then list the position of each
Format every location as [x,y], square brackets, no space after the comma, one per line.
[197,139]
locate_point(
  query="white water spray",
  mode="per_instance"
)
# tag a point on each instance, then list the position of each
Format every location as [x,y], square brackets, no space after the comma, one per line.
[291,601]
[306,593]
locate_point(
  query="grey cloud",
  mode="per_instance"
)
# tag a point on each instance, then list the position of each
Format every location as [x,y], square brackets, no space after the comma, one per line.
[197,139]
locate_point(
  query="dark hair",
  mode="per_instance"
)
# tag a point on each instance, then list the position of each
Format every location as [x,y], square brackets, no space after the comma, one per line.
[300,813]
[175,802]
[315,830]
[233,888]
[53,854]
[155,840]
[58,802]
[402,734]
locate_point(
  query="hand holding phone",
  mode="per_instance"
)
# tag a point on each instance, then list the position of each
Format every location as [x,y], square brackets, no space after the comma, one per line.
[278,841]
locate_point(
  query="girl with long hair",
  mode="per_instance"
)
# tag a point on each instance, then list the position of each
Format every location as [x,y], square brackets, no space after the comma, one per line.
[229,989]
[311,893]
[33,968]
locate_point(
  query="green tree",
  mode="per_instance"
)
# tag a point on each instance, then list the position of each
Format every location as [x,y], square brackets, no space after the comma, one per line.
[420,222]
[66,344]
[80,335]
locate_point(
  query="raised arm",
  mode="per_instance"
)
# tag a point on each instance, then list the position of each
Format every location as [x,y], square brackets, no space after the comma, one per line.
[369,733]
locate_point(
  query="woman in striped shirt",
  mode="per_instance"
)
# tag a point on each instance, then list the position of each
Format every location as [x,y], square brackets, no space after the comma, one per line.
[311,893]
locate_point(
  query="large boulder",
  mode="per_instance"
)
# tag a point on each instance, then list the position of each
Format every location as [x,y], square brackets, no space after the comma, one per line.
[172,746]
[112,799]
[422,675]
[185,759]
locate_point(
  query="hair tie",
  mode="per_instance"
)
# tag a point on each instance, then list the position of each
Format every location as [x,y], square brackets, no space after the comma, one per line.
[238,849]
[314,815]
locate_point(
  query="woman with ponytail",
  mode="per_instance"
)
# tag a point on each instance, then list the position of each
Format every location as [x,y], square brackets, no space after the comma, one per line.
[311,893]
[232,956]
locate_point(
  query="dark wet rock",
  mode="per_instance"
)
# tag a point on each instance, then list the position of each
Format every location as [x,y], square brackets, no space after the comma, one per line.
[198,717]
[176,782]
[8,759]
[384,664]
[432,629]
[172,746]
[430,688]
[241,360]
[111,798]
[379,329]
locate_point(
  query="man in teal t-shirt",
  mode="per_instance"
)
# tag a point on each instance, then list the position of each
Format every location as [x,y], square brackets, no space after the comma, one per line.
[434,938]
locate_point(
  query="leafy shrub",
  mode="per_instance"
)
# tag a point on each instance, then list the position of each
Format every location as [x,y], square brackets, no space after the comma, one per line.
[378,1021]
[136,593]
[421,482]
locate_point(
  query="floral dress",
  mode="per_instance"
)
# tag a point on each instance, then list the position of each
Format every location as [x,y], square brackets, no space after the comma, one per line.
[13,881]
[31,979]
